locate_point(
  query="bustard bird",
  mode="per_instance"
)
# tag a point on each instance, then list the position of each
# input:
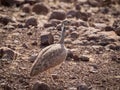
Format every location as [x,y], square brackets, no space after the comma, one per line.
[51,56]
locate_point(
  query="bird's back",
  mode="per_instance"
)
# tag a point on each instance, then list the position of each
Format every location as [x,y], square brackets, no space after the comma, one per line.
[49,57]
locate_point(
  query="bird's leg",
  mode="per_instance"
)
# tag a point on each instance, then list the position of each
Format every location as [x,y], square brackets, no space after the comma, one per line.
[49,71]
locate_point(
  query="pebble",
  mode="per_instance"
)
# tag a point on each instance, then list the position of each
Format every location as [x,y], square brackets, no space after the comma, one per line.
[93,3]
[78,6]
[116,26]
[58,14]
[25,45]
[40,86]
[99,25]
[46,38]
[67,41]
[114,47]
[7,2]
[7,53]
[33,58]
[68,1]
[69,55]
[116,58]
[52,22]
[26,8]
[74,34]
[72,88]
[5,19]
[5,86]
[117,31]
[71,13]
[31,21]
[108,28]
[40,8]
[82,15]
[55,76]
[34,43]
[84,58]
[83,87]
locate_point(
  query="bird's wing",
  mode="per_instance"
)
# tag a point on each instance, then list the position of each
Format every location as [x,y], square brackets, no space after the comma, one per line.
[48,57]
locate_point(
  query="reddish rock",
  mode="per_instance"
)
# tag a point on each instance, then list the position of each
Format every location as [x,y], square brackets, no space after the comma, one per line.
[68,1]
[46,38]
[52,22]
[71,13]
[84,58]
[40,86]
[83,15]
[31,21]
[74,34]
[26,8]
[7,53]
[40,8]
[5,19]
[58,14]
[83,87]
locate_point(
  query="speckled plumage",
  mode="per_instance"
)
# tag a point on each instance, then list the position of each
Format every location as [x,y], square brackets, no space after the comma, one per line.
[50,57]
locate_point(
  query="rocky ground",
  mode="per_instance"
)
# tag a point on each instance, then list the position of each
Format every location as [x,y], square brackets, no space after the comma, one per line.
[93,40]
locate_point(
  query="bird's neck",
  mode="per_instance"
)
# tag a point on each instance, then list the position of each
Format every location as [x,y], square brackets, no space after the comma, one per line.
[62,37]
[62,34]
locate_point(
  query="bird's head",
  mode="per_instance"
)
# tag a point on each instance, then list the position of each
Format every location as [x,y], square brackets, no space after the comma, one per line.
[66,22]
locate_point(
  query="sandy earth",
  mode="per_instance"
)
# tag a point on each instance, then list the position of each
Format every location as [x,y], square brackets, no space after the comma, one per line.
[92,33]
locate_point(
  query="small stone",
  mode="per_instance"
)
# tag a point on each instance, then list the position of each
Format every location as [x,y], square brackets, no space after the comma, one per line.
[55,76]
[5,86]
[40,86]
[116,26]
[40,8]
[7,2]
[69,55]
[93,69]
[9,27]
[77,6]
[113,47]
[46,38]
[55,22]
[75,57]
[33,58]
[68,1]
[29,33]
[7,53]
[94,3]
[74,34]
[84,58]
[117,31]
[104,10]
[34,43]
[25,45]
[116,58]
[52,22]
[99,25]
[72,88]
[31,21]
[67,41]
[5,19]
[83,87]
[108,28]
[22,14]
[31,2]
[58,14]
[71,13]
[26,8]
[82,15]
